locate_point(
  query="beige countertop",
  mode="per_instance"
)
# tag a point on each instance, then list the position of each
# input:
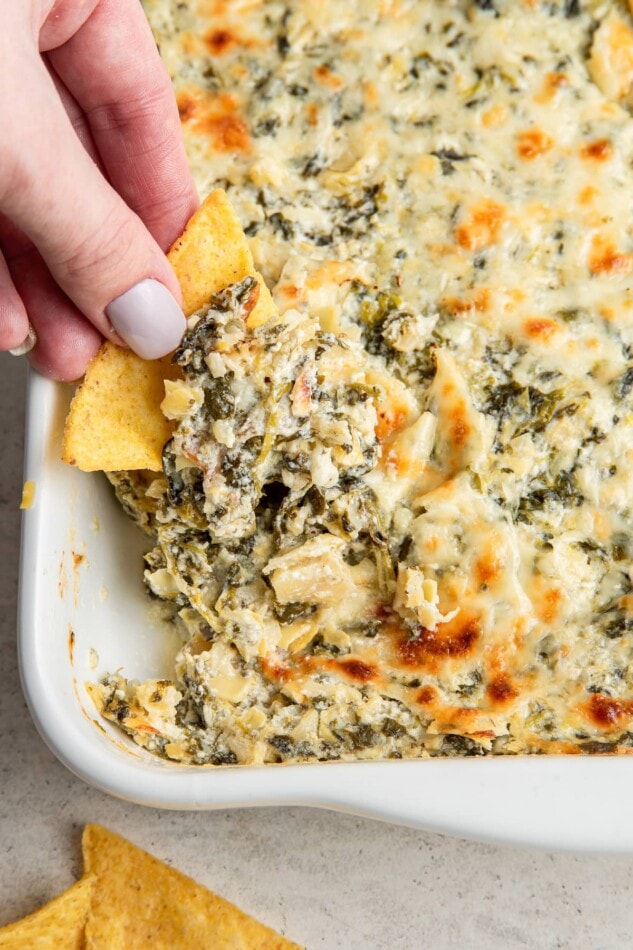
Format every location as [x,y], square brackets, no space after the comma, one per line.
[326,880]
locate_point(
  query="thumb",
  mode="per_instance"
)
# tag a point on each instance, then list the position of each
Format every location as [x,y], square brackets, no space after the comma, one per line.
[96,248]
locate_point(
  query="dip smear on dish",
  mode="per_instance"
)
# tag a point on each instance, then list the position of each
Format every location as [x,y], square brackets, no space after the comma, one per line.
[397,521]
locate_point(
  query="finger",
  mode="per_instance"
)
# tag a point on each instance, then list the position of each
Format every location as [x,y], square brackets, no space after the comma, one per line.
[66,342]
[83,133]
[94,246]
[63,19]
[112,67]
[75,114]
[14,323]
[21,249]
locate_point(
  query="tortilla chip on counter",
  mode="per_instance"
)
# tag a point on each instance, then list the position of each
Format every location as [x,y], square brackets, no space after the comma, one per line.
[140,902]
[115,421]
[59,924]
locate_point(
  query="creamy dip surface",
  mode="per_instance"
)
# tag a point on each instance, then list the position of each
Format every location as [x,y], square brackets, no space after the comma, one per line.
[397,522]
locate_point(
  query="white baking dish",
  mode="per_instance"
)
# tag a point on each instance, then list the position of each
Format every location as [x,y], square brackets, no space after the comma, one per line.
[81,589]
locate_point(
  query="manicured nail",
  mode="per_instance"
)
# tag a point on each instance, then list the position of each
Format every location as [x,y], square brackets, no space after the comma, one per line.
[26,345]
[148,318]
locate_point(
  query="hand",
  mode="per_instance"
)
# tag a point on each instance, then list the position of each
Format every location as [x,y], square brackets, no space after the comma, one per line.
[94,183]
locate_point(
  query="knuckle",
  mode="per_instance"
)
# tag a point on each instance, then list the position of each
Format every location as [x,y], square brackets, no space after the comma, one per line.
[103,252]
[145,108]
[168,214]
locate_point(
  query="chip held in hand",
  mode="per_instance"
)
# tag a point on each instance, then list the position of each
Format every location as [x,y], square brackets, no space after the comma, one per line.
[115,421]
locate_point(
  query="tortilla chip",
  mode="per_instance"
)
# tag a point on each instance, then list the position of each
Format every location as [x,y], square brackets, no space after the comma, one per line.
[59,924]
[211,254]
[140,902]
[115,422]
[28,496]
[113,418]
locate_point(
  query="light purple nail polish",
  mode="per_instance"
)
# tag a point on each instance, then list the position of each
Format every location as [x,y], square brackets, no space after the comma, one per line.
[148,318]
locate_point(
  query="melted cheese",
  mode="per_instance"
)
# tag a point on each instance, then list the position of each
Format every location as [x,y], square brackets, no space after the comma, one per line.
[403,516]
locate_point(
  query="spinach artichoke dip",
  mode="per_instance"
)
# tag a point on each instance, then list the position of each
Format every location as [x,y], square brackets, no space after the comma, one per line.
[397,521]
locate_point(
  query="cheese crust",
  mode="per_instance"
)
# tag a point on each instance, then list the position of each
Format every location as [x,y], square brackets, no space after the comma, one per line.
[397,520]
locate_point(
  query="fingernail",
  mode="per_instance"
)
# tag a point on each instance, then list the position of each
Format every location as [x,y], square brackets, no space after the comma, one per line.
[26,345]
[148,318]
